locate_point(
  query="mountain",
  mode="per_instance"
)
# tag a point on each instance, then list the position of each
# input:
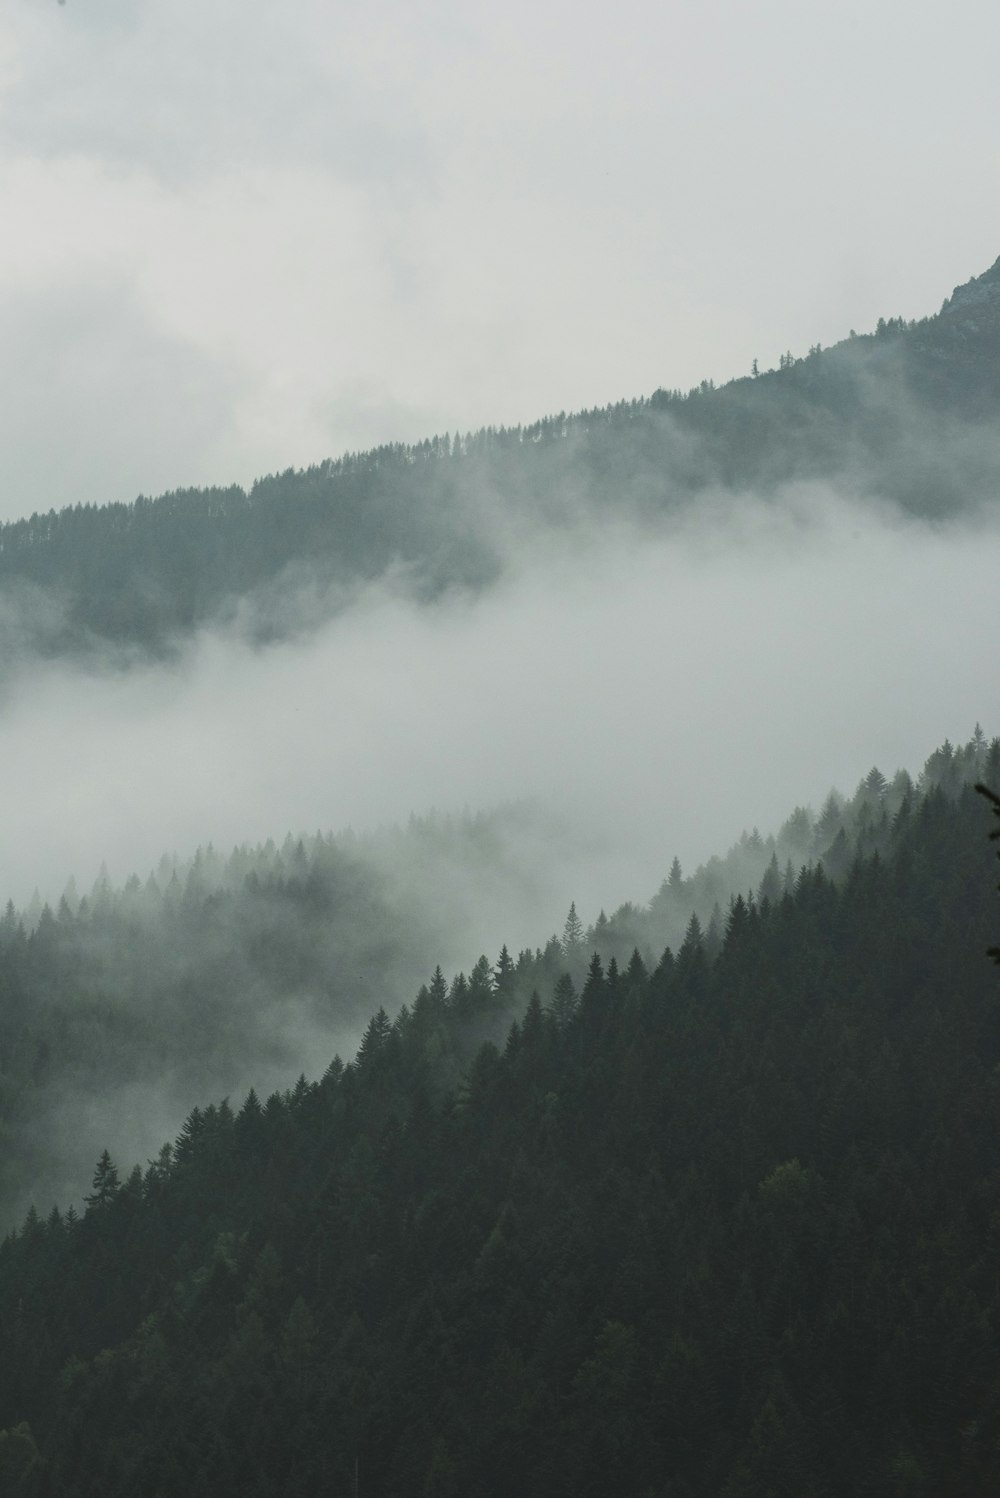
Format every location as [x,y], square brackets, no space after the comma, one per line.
[722,1225]
[121,1010]
[693,1198]
[904,415]
[977,302]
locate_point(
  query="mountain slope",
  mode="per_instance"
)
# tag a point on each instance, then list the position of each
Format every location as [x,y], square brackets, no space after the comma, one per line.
[723,1227]
[120,1010]
[904,415]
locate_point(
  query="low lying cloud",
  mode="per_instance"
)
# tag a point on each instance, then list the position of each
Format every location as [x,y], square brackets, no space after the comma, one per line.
[646,694]
[657,694]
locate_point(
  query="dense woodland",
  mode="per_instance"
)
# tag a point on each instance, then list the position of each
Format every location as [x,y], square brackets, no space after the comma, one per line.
[904,413]
[694,1198]
[723,1224]
[121,1009]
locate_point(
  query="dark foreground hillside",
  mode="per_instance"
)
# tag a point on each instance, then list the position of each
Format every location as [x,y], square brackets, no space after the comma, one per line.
[726,1227]
[121,1009]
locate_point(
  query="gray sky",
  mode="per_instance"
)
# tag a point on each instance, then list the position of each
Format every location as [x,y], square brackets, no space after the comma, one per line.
[238,238]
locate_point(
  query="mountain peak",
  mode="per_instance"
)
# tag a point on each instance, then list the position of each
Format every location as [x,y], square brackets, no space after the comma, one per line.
[981,290]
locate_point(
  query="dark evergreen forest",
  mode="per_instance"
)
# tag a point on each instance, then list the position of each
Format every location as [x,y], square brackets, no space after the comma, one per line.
[694,1198]
[904,413]
[120,1009]
[722,1223]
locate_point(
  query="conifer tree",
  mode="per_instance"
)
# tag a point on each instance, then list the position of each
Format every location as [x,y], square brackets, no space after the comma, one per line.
[563,1005]
[106,1183]
[572,938]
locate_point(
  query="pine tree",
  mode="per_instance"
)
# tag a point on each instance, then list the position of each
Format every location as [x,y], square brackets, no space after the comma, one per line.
[503,975]
[563,1005]
[770,885]
[438,991]
[106,1183]
[374,1040]
[572,938]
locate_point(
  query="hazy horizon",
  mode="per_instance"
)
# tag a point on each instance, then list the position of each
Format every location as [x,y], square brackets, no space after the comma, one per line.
[238,241]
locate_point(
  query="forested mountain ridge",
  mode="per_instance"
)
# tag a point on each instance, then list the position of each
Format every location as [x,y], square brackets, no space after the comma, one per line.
[905,415]
[120,1009]
[725,1224]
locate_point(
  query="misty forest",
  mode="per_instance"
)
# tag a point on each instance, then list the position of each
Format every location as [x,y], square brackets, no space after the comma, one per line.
[903,414]
[692,1193]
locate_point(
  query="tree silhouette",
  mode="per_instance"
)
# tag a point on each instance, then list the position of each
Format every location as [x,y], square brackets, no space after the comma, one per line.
[994,801]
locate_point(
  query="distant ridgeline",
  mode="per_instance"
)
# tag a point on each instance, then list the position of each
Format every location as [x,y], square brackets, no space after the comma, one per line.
[725,1222]
[907,414]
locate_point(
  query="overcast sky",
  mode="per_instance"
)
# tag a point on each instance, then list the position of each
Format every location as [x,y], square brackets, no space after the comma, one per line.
[238,238]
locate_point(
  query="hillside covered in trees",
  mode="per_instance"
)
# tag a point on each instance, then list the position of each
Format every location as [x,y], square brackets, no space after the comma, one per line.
[121,1009]
[901,416]
[695,1196]
[719,1219]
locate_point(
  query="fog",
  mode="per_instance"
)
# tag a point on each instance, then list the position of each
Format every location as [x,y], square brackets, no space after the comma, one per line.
[655,693]
[623,695]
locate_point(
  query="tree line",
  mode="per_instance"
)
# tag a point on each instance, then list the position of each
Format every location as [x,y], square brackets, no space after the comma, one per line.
[722,1224]
[904,412]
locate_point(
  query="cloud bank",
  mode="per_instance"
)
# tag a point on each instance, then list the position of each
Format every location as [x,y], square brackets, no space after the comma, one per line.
[649,694]
[656,694]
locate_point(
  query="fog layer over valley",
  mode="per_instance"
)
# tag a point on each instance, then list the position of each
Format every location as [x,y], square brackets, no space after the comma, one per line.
[501,742]
[624,696]
[571,662]
[218,975]
[655,693]
[125,1008]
